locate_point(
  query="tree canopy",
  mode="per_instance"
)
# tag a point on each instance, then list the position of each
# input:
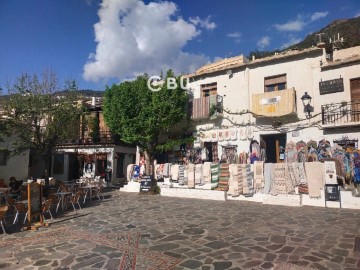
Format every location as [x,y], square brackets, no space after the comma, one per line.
[154,121]
[36,118]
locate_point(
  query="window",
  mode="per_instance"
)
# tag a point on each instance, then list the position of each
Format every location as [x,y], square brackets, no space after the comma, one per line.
[3,158]
[58,163]
[208,89]
[275,83]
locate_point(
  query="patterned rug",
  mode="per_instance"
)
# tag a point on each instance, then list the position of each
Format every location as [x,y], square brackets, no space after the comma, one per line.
[224,177]
[315,179]
[127,243]
[247,180]
[214,175]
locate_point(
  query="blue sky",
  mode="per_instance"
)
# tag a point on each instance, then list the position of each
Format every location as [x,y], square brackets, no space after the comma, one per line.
[103,42]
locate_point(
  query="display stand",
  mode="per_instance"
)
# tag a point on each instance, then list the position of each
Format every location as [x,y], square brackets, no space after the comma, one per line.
[35,206]
[332,193]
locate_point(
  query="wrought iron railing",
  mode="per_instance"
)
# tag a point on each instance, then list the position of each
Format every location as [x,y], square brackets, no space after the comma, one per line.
[105,137]
[341,113]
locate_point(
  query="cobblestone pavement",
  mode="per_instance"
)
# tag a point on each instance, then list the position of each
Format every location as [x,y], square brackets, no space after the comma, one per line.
[132,231]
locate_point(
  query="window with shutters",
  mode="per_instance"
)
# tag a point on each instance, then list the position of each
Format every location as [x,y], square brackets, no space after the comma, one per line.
[275,83]
[208,89]
[355,89]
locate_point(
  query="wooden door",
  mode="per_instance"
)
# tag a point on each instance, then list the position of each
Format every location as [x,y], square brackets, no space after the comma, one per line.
[355,99]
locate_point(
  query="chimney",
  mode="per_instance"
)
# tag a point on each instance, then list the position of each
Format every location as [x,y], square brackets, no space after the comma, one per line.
[93,102]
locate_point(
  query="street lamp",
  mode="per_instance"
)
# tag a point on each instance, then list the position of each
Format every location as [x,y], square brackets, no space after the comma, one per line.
[306,100]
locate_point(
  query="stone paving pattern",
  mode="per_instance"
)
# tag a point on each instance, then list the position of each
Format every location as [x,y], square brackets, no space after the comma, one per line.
[132,231]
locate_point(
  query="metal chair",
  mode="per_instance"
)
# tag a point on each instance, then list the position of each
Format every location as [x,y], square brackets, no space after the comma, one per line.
[74,199]
[3,210]
[46,208]
[20,209]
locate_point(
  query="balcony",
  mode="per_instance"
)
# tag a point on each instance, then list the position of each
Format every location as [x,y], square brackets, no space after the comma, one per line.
[105,137]
[206,107]
[341,114]
[274,104]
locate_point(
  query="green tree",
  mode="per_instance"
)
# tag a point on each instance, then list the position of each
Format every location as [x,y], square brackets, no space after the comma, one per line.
[155,121]
[38,118]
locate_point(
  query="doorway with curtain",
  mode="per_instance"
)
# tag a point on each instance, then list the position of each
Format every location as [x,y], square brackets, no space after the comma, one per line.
[275,147]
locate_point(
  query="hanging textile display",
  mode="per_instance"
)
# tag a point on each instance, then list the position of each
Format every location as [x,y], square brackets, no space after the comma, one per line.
[175,172]
[220,135]
[262,150]
[258,175]
[356,162]
[330,173]
[282,183]
[224,177]
[233,134]
[207,172]
[215,155]
[191,175]
[249,133]
[242,134]
[254,151]
[129,172]
[214,175]
[181,175]
[243,157]
[268,177]
[229,154]
[227,135]
[198,174]
[301,149]
[214,136]
[311,151]
[324,149]
[247,177]
[233,172]
[314,178]
[291,153]
[237,185]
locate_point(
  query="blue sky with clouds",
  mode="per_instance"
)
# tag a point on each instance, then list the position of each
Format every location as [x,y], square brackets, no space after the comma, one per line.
[103,42]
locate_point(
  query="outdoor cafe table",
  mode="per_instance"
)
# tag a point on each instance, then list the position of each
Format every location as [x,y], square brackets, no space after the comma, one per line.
[89,187]
[62,196]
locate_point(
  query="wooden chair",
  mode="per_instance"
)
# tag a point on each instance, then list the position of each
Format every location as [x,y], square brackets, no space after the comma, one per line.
[20,209]
[98,192]
[54,201]
[74,199]
[46,208]
[3,210]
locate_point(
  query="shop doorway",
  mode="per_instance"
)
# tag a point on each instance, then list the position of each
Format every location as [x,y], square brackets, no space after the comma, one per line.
[275,147]
[212,148]
[74,167]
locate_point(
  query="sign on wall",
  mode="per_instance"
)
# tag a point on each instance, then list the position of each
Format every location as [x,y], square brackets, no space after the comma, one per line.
[331,86]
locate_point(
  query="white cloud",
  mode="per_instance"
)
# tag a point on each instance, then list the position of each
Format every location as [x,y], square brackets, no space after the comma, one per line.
[235,35]
[291,40]
[263,42]
[357,14]
[133,38]
[318,15]
[203,23]
[296,25]
[300,22]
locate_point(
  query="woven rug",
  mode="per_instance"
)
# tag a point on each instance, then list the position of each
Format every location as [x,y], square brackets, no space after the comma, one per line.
[181,175]
[268,177]
[233,177]
[214,175]
[279,183]
[315,178]
[207,172]
[291,168]
[300,173]
[175,172]
[224,177]
[191,175]
[198,174]
[258,175]
[247,177]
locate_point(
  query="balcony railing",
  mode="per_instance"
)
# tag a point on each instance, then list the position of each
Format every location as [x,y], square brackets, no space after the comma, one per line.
[105,137]
[206,107]
[273,104]
[341,114]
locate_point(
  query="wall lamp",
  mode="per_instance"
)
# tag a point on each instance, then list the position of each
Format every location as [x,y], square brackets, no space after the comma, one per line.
[306,100]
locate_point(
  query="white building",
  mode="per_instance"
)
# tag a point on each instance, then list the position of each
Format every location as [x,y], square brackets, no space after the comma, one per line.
[262,100]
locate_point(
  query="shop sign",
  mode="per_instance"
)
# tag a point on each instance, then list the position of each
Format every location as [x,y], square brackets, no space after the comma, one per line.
[331,86]
[145,184]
